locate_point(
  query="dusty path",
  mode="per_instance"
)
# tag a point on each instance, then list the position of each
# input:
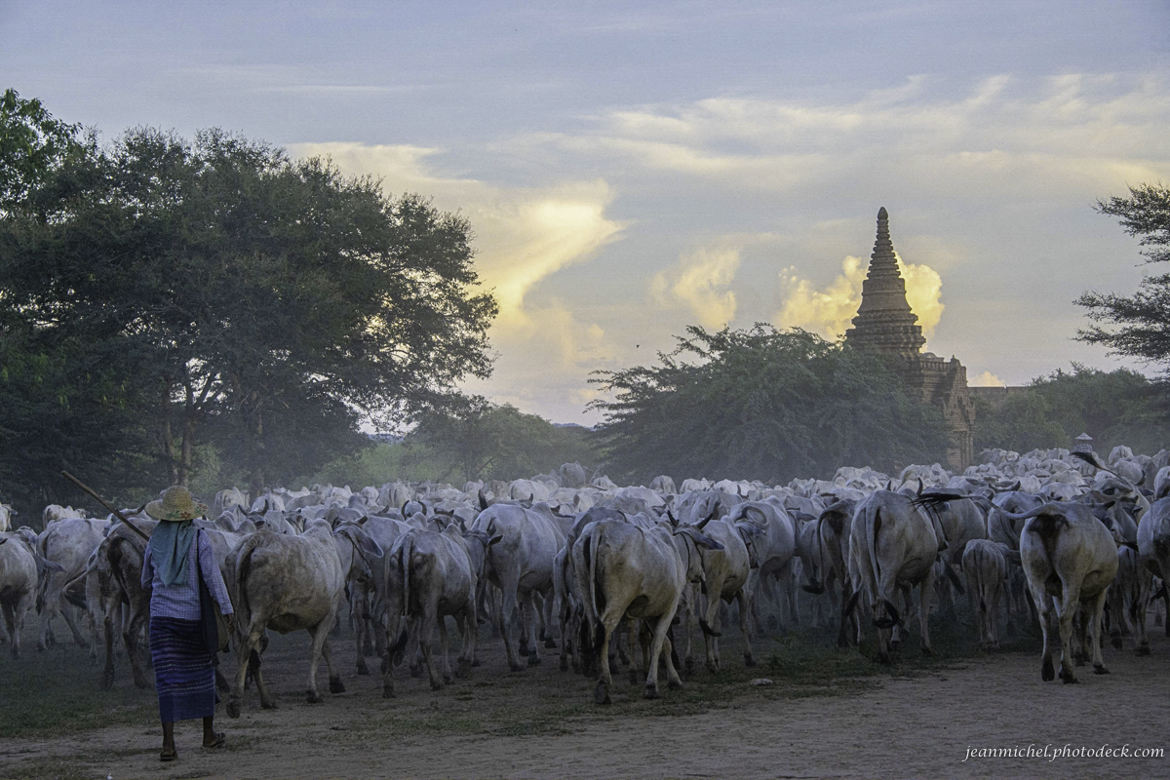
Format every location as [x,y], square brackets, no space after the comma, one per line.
[919,726]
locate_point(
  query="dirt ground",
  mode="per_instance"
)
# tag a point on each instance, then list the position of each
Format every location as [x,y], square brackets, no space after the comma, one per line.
[920,725]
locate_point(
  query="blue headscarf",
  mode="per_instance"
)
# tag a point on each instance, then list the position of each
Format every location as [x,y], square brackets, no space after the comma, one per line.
[169,547]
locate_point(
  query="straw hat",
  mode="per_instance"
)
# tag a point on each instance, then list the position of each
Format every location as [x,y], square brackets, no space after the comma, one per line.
[175,506]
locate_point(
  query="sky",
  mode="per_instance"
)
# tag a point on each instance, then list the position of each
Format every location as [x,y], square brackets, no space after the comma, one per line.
[630,169]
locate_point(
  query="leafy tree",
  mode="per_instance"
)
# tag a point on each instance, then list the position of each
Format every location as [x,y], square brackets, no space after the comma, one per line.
[485,441]
[33,144]
[265,303]
[762,404]
[67,400]
[1115,407]
[1136,326]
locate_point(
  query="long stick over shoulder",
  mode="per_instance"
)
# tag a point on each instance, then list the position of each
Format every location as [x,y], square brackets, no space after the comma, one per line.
[102,501]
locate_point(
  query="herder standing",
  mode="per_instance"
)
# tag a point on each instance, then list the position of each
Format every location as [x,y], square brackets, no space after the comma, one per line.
[183,666]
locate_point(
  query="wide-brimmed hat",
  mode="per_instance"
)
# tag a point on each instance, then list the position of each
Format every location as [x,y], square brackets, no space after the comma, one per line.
[176,505]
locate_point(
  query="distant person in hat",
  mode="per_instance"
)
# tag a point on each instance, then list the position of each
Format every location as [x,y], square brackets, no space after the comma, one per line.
[184,669]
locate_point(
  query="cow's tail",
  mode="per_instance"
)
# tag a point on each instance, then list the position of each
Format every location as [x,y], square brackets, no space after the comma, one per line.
[979,585]
[816,586]
[243,572]
[873,525]
[405,553]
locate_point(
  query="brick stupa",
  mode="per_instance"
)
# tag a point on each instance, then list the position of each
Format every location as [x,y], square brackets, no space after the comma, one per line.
[886,324]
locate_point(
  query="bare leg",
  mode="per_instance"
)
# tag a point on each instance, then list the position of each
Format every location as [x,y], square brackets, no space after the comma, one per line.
[168,744]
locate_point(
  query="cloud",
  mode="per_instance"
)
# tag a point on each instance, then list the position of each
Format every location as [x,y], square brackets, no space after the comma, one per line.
[544,348]
[987,379]
[1077,134]
[523,235]
[700,281]
[829,311]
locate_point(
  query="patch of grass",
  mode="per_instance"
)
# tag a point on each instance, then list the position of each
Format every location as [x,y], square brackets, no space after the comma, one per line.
[58,692]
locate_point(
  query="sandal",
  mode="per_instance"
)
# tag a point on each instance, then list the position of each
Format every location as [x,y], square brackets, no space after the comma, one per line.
[168,755]
[220,741]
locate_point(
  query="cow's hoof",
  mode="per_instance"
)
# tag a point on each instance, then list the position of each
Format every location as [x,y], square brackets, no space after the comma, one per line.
[674,685]
[313,697]
[550,644]
[534,659]
[1115,640]
[651,692]
[270,705]
[387,691]
[1097,669]
[362,669]
[712,667]
[233,709]
[926,650]
[1067,677]
[436,685]
[1047,673]
[601,693]
[1142,650]
[564,665]
[748,660]
[335,685]
[517,667]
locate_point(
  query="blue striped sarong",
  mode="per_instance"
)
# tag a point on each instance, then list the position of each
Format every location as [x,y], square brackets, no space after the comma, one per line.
[183,672]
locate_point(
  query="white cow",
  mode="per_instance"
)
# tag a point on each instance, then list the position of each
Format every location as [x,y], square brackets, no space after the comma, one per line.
[770,535]
[986,565]
[438,575]
[892,548]
[521,566]
[1070,560]
[830,567]
[630,571]
[66,546]
[286,582]
[1153,543]
[725,576]
[18,584]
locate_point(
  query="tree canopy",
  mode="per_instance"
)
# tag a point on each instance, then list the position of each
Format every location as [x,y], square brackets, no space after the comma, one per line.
[1114,407]
[762,404]
[485,441]
[216,290]
[1137,325]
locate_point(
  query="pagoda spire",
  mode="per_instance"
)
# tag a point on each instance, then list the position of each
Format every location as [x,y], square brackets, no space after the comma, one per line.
[884,320]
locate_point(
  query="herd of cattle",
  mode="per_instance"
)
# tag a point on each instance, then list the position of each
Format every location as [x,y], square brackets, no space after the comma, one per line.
[631,570]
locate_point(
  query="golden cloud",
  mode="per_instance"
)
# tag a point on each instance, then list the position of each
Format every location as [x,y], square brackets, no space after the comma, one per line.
[987,379]
[522,235]
[829,311]
[701,281]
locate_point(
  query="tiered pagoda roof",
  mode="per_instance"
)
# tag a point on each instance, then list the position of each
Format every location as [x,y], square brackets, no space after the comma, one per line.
[884,321]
